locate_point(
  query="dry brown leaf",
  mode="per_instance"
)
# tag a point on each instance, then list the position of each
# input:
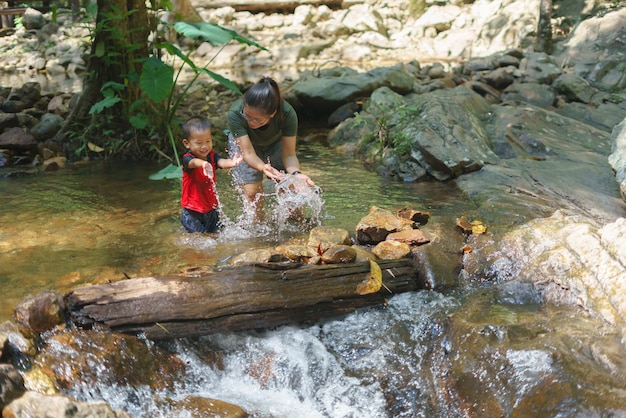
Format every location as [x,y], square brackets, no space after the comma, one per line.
[373,282]
[94,148]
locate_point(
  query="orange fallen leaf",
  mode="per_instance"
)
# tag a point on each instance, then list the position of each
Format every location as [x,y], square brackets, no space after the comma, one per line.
[373,282]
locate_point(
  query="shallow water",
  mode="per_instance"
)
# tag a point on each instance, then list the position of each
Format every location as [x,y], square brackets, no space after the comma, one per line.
[426,354]
[103,221]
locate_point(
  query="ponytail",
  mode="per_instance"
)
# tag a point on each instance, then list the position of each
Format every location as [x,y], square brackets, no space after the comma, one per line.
[265,96]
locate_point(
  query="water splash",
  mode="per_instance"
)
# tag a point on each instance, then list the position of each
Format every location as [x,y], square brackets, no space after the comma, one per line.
[297,204]
[290,206]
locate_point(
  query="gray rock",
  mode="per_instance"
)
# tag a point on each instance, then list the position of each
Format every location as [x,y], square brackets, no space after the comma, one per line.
[33,404]
[11,384]
[535,94]
[617,159]
[17,139]
[539,67]
[48,126]
[574,87]
[33,19]
[41,312]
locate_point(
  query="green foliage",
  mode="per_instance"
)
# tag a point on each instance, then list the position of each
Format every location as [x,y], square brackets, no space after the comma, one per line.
[158,80]
[402,144]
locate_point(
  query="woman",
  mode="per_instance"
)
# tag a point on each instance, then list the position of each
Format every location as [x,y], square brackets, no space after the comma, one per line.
[264,127]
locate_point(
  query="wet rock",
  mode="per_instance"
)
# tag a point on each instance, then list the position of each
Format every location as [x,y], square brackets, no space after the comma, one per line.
[363,254]
[199,407]
[377,224]
[19,343]
[410,237]
[41,312]
[391,250]
[297,252]
[54,163]
[68,360]
[11,384]
[33,404]
[48,126]
[17,139]
[417,216]
[322,237]
[261,255]
[494,347]
[337,254]
[569,260]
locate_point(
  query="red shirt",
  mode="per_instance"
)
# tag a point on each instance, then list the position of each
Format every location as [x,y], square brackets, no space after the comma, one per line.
[199,193]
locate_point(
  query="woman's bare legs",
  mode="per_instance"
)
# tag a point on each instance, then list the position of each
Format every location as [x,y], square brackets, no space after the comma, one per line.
[254,200]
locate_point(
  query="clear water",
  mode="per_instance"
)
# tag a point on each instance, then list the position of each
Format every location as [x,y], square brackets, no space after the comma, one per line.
[426,354]
[102,221]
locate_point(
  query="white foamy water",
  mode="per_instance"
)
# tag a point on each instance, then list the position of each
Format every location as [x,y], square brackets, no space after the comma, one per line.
[334,369]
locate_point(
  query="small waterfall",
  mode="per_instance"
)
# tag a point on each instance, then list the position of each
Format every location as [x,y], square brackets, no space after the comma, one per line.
[340,368]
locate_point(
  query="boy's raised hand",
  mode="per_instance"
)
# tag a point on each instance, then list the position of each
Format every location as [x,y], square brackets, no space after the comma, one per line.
[237,159]
[207,169]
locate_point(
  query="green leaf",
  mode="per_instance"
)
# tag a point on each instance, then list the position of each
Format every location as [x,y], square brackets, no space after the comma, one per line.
[139,120]
[137,104]
[100,49]
[214,34]
[173,50]
[103,104]
[170,172]
[221,79]
[157,79]
[112,85]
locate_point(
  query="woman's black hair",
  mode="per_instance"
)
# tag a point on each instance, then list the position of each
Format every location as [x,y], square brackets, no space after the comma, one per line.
[265,96]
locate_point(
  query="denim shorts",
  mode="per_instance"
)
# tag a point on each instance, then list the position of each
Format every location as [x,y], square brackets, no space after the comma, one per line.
[243,173]
[200,222]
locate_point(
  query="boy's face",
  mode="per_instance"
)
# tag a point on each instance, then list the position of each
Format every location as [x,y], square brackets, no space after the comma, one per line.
[199,143]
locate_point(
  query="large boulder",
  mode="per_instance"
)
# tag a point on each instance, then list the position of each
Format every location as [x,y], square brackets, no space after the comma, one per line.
[617,159]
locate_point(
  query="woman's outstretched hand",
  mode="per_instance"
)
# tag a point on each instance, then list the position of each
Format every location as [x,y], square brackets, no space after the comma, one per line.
[307,179]
[273,173]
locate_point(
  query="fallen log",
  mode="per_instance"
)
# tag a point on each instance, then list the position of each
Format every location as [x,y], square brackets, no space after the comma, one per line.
[233,299]
[276,6]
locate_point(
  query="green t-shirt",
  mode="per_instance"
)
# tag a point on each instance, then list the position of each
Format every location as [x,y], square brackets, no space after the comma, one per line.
[266,135]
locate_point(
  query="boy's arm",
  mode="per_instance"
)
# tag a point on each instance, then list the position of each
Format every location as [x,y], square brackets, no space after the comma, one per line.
[230,162]
[203,164]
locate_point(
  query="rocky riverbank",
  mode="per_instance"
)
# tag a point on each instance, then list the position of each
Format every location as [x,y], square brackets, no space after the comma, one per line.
[539,137]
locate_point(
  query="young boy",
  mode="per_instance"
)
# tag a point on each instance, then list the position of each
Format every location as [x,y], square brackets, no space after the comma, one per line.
[199,195]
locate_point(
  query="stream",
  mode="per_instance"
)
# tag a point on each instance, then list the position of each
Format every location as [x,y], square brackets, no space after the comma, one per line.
[466,351]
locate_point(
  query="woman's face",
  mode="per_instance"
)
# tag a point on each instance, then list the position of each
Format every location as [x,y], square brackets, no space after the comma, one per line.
[255,117]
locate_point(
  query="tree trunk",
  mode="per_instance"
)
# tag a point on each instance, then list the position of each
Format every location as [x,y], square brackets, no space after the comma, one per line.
[233,299]
[119,45]
[543,41]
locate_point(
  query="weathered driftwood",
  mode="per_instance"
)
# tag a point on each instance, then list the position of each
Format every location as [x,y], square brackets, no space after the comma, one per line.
[233,299]
[272,6]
